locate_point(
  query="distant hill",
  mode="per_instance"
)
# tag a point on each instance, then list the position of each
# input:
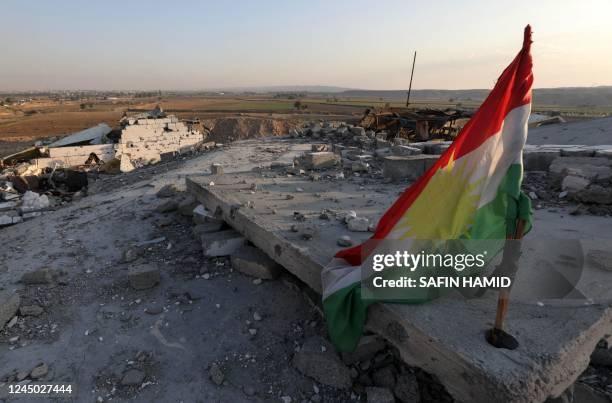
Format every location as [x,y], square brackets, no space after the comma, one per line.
[319,89]
[566,96]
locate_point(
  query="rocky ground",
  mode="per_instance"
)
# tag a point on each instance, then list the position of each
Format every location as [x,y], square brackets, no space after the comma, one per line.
[201,331]
[204,333]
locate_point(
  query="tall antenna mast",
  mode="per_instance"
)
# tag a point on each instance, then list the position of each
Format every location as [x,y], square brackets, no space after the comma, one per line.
[410,86]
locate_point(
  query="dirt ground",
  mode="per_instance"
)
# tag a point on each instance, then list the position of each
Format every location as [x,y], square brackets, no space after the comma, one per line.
[94,328]
[21,126]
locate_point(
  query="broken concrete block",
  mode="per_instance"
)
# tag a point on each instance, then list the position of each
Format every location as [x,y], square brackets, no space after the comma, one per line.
[9,304]
[410,167]
[379,395]
[319,160]
[358,224]
[6,220]
[31,201]
[186,206]
[8,205]
[539,160]
[595,194]
[360,166]
[574,184]
[143,276]
[587,167]
[216,169]
[344,241]
[223,243]
[402,150]
[253,262]
[168,190]
[39,371]
[318,360]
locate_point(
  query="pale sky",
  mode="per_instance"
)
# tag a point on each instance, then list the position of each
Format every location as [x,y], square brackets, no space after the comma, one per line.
[195,45]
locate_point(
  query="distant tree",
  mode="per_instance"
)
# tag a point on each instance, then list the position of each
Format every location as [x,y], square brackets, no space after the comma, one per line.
[297,104]
[82,106]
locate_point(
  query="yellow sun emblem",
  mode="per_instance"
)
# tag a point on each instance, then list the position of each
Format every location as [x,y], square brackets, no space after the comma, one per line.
[446,207]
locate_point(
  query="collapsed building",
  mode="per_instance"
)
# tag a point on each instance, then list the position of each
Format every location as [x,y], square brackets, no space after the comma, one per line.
[60,166]
[147,139]
[142,139]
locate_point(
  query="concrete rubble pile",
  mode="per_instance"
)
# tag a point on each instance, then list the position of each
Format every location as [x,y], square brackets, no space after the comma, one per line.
[366,152]
[145,140]
[560,175]
[577,173]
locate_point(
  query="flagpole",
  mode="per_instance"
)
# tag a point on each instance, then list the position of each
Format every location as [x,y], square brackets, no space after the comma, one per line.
[496,336]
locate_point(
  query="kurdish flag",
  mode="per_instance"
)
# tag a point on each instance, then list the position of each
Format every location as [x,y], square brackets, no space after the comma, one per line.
[472,192]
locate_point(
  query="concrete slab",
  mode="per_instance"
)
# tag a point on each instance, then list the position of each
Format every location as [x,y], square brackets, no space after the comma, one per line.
[407,167]
[444,337]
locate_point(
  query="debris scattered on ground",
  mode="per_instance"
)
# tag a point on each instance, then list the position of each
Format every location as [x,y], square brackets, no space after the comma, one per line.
[137,260]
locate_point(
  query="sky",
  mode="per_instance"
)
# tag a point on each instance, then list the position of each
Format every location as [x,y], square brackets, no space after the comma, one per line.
[197,45]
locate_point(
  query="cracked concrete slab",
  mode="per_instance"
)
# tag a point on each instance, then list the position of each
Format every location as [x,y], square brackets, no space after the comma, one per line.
[444,337]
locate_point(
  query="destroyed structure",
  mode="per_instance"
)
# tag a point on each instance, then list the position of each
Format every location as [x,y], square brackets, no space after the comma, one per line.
[417,125]
[290,215]
[60,166]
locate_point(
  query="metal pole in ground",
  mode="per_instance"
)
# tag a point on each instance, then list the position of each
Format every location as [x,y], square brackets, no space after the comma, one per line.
[410,85]
[497,336]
